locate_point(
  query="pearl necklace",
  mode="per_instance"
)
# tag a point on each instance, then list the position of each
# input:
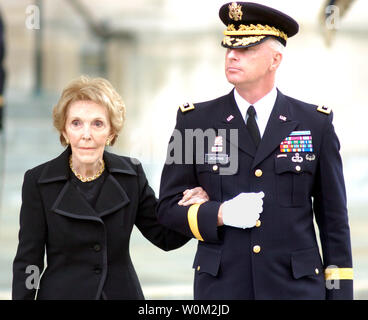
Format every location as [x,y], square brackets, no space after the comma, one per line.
[86,179]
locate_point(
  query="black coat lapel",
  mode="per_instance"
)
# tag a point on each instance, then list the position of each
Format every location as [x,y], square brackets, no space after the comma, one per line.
[71,203]
[56,169]
[231,118]
[279,126]
[112,197]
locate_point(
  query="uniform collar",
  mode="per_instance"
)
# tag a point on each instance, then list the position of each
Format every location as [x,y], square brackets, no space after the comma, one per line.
[263,107]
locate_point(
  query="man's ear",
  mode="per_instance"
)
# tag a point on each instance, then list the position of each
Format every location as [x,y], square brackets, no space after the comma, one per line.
[276,61]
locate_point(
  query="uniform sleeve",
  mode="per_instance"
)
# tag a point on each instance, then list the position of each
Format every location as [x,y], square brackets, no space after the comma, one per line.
[29,260]
[146,220]
[197,221]
[332,217]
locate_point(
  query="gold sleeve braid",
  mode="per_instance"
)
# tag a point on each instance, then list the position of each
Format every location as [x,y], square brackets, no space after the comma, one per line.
[193,220]
[339,274]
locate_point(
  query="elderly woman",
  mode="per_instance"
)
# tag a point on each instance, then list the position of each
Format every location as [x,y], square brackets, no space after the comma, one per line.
[81,206]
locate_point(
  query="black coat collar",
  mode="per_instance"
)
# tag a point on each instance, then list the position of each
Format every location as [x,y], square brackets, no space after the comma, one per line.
[69,202]
[58,168]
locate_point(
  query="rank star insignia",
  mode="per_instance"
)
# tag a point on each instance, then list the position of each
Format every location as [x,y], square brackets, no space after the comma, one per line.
[235,11]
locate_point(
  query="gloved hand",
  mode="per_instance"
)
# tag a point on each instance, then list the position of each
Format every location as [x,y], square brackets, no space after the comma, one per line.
[243,210]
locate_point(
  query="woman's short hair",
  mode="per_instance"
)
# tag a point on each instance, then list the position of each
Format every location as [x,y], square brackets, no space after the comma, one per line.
[97,90]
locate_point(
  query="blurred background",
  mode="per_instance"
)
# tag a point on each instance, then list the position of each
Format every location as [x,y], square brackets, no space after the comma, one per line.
[159,54]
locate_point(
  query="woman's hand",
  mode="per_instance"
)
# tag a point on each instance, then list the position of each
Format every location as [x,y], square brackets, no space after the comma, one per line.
[193,196]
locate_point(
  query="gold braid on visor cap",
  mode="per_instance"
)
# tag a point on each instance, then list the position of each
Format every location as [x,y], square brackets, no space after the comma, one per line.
[242,41]
[255,30]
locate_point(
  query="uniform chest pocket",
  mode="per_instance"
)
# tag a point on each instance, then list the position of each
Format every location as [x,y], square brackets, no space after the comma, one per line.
[293,180]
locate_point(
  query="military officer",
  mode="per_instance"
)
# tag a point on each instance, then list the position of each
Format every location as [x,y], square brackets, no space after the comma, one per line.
[269,163]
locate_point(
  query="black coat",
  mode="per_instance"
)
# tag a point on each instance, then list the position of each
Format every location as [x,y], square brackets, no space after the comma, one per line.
[279,258]
[87,249]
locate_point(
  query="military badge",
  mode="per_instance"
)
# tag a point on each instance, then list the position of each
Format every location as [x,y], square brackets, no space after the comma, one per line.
[297,141]
[216,149]
[218,141]
[217,144]
[235,11]
[187,107]
[283,118]
[310,157]
[283,155]
[324,109]
[297,158]
[213,158]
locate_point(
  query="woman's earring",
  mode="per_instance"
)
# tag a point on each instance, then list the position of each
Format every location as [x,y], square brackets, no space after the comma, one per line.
[108,142]
[67,141]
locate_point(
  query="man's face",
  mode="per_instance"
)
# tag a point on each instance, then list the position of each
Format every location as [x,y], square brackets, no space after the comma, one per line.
[244,67]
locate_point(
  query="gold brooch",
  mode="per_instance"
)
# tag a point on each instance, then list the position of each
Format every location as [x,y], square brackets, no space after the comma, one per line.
[86,179]
[235,11]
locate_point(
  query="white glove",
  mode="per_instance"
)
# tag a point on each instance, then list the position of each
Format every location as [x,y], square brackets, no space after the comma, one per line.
[243,210]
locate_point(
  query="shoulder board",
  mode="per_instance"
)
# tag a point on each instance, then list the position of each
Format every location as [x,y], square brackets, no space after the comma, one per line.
[324,109]
[186,107]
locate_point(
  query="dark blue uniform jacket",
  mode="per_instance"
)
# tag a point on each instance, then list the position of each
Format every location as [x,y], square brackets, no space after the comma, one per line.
[280,258]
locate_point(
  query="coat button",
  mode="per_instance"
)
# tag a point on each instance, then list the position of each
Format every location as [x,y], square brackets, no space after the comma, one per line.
[97,270]
[258,223]
[316,271]
[198,268]
[298,168]
[97,247]
[256,249]
[215,167]
[258,173]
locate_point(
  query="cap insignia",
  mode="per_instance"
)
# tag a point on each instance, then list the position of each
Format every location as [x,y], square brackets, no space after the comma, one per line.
[235,11]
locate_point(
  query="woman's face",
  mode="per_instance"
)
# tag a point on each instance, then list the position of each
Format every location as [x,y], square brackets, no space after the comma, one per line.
[87,128]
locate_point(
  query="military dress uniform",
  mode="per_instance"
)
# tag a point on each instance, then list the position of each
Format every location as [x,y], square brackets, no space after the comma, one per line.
[298,167]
